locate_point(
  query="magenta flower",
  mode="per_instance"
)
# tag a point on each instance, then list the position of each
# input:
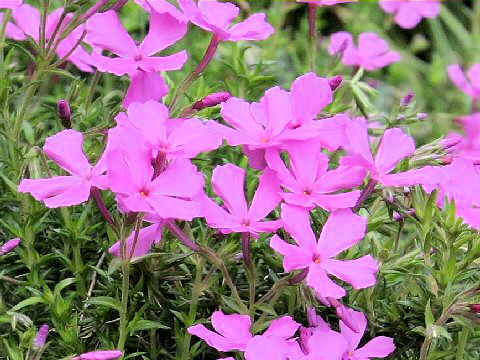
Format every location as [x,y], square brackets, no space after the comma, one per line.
[469,84]
[283,116]
[228,182]
[324,344]
[372,51]
[378,347]
[65,148]
[12,31]
[408,13]
[145,86]
[10,4]
[130,175]
[41,337]
[173,138]
[28,19]
[233,334]
[99,355]
[342,230]
[107,32]
[216,17]
[394,147]
[9,246]
[308,182]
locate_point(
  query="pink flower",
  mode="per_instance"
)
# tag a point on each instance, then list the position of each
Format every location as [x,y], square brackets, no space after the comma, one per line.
[308,182]
[145,86]
[65,148]
[371,53]
[28,19]
[325,344]
[234,334]
[172,138]
[107,32]
[41,337]
[99,355]
[12,31]
[216,17]
[228,182]
[326,2]
[10,4]
[342,230]
[282,116]
[212,99]
[9,246]
[408,13]
[378,347]
[469,84]
[394,147]
[130,175]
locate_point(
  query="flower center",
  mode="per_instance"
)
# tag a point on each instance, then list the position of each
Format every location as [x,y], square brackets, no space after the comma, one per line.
[307,191]
[138,57]
[317,259]
[144,192]
[264,140]
[245,222]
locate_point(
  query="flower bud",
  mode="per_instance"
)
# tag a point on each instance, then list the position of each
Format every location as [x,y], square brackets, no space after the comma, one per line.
[211,100]
[335,82]
[407,99]
[41,337]
[64,113]
[474,308]
[10,245]
[422,116]
[451,141]
[341,49]
[305,334]
[344,314]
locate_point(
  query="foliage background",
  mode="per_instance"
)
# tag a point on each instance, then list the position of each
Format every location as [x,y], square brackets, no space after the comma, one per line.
[63,251]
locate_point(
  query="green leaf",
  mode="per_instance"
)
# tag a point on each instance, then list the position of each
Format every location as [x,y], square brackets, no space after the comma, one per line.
[106,301]
[28,302]
[429,318]
[139,325]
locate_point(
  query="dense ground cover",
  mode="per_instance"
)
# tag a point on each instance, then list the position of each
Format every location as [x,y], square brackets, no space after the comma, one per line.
[264,180]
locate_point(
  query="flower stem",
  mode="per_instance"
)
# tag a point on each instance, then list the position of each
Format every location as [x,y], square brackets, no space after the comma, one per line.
[97,195]
[312,21]
[6,18]
[365,194]
[184,239]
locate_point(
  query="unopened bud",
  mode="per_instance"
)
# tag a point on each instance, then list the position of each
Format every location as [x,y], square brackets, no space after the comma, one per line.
[341,49]
[407,99]
[474,308]
[335,82]
[344,314]
[451,141]
[9,246]
[64,113]
[422,116]
[41,337]
[305,334]
[211,100]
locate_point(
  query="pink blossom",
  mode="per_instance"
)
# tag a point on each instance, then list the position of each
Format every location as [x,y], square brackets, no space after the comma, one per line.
[145,86]
[130,175]
[378,347]
[9,246]
[212,100]
[41,337]
[283,116]
[408,13]
[308,182]
[65,148]
[216,17]
[233,334]
[99,355]
[106,31]
[342,230]
[326,344]
[28,19]
[372,51]
[10,4]
[12,31]
[394,147]
[228,182]
[469,83]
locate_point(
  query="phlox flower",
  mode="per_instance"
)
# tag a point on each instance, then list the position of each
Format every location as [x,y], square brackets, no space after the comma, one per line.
[408,13]
[12,31]
[394,147]
[65,148]
[105,31]
[468,82]
[323,345]
[342,230]
[28,20]
[308,183]
[9,246]
[216,17]
[378,347]
[233,334]
[228,182]
[99,355]
[130,175]
[10,4]
[282,116]
[172,138]
[372,51]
